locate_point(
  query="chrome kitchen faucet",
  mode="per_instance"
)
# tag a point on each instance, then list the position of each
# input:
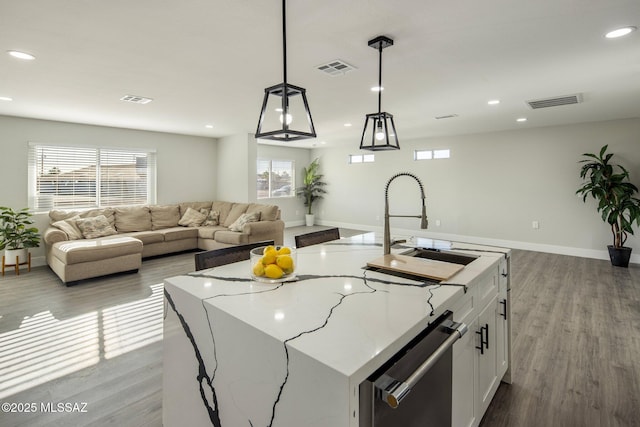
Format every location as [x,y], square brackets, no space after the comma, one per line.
[424,223]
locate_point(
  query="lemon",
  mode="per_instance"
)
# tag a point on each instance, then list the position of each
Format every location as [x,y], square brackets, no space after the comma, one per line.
[272,271]
[284,251]
[269,257]
[285,262]
[268,249]
[258,269]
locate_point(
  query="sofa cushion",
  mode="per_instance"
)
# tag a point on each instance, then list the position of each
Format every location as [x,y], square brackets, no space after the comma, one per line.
[209,232]
[231,237]
[245,218]
[192,218]
[237,210]
[164,216]
[77,251]
[133,218]
[179,233]
[97,226]
[146,237]
[108,213]
[70,227]
[267,212]
[224,208]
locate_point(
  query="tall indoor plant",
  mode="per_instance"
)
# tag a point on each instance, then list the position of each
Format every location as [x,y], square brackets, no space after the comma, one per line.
[16,235]
[312,188]
[609,184]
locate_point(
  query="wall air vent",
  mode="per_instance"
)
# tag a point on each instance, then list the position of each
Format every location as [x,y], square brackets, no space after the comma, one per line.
[136,99]
[555,102]
[448,116]
[336,67]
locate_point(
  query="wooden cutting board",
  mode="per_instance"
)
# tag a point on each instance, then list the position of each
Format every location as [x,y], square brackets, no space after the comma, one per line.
[422,267]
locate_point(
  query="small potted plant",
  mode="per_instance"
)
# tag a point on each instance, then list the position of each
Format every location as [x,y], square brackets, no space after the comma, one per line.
[312,188]
[609,185]
[16,235]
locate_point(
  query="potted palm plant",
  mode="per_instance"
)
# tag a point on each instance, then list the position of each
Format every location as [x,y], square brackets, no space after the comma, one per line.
[16,235]
[312,188]
[609,184]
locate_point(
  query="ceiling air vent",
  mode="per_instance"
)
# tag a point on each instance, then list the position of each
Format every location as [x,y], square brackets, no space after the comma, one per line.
[336,67]
[136,99]
[555,102]
[448,116]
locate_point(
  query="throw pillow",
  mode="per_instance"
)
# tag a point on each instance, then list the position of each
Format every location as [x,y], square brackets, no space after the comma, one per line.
[212,219]
[244,219]
[96,226]
[70,227]
[192,218]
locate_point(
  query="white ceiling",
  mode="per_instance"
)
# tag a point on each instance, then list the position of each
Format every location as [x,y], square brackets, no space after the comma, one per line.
[208,62]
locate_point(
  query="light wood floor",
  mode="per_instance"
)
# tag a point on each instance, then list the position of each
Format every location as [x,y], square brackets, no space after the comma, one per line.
[576,344]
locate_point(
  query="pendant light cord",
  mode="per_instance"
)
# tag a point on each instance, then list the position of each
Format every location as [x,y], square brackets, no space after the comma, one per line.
[284,40]
[380,80]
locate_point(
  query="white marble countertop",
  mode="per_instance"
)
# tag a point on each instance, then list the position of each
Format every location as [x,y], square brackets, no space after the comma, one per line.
[337,313]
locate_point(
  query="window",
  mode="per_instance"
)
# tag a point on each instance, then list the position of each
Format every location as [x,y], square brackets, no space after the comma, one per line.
[362,158]
[83,177]
[275,178]
[431,154]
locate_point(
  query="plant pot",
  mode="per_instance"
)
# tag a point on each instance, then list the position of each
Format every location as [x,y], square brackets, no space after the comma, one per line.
[619,256]
[310,219]
[11,254]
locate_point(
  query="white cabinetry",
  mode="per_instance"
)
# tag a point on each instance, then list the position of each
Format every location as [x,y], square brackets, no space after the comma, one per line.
[481,357]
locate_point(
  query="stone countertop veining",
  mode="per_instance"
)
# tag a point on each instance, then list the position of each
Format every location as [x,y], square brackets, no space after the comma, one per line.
[336,312]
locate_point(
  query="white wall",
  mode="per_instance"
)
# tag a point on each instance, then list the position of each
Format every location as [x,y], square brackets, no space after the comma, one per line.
[186,164]
[236,168]
[491,189]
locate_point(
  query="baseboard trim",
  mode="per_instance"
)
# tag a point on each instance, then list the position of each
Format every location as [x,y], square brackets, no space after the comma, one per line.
[513,244]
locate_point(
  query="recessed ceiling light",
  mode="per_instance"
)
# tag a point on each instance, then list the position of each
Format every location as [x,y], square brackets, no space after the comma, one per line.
[347,125]
[21,55]
[5,98]
[619,32]
[493,102]
[521,119]
[209,126]
[377,88]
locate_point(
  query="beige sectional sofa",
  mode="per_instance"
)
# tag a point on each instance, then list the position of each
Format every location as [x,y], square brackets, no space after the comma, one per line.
[95,242]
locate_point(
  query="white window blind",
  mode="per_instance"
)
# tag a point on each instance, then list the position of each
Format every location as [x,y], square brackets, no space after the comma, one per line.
[82,177]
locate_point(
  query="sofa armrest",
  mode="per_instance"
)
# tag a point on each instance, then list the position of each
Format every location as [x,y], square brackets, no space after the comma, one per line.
[265,230]
[53,235]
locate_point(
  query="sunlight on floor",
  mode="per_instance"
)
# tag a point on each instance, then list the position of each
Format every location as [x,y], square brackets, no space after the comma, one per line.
[44,348]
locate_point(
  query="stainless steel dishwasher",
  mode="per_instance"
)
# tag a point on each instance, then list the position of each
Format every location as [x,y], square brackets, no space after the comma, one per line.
[414,387]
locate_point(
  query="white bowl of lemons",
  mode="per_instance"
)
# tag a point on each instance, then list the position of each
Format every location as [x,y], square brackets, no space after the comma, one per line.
[273,264]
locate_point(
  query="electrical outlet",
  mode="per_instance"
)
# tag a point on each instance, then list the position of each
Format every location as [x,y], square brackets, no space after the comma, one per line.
[437,223]
[535,225]
[377,217]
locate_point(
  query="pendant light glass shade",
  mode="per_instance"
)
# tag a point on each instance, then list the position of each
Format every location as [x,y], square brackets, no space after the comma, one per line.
[285,114]
[379,131]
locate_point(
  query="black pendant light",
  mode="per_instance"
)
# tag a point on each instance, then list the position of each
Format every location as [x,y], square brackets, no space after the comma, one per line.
[379,131]
[285,114]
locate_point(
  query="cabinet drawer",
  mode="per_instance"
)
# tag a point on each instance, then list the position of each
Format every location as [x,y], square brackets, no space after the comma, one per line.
[487,288]
[464,308]
[503,275]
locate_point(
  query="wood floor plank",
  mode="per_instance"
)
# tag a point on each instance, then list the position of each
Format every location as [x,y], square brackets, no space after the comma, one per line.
[576,344]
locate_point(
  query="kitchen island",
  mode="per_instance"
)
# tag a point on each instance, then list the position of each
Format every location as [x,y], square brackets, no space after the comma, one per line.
[243,353]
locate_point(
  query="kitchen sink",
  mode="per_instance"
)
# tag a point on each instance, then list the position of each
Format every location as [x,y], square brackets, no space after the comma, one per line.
[439,255]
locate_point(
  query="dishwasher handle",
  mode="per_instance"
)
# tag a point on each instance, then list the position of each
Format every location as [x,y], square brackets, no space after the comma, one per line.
[392,391]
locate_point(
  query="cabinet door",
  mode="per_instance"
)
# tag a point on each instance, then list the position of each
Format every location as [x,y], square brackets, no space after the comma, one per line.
[487,372]
[502,335]
[464,411]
